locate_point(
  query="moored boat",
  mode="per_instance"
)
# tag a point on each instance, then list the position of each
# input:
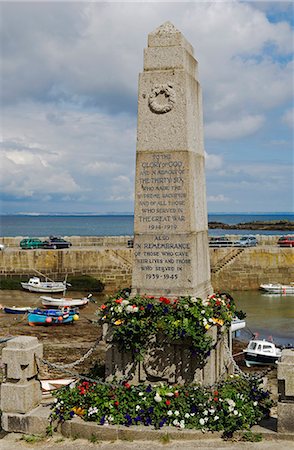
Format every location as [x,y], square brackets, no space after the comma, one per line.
[36,285]
[277,288]
[17,309]
[50,302]
[261,352]
[237,324]
[52,316]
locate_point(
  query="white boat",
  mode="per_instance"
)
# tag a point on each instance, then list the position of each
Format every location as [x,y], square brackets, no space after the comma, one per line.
[237,324]
[261,352]
[277,288]
[50,302]
[36,285]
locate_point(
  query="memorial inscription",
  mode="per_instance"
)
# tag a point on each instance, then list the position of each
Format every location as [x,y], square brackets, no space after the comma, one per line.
[170,226]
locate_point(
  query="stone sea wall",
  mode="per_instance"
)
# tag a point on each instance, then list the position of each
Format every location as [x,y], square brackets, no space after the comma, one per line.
[110,260]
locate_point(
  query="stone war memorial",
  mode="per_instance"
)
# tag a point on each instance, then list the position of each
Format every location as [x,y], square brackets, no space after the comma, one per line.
[168,335]
[171,254]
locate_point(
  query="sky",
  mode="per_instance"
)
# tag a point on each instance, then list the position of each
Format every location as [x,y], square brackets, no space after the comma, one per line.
[69,86]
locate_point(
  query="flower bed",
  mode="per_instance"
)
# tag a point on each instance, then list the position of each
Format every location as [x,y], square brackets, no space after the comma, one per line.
[236,404]
[134,321]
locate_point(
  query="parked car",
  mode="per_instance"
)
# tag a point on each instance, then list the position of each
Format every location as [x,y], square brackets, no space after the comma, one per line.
[130,243]
[2,247]
[56,242]
[31,243]
[246,241]
[286,241]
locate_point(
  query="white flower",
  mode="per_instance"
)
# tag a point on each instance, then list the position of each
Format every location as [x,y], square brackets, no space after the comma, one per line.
[216,417]
[144,398]
[176,413]
[187,415]
[254,403]
[157,397]
[182,424]
[176,422]
[129,309]
[202,421]
[212,410]
[169,413]
[205,413]
[193,299]
[136,309]
[235,412]
[72,385]
[192,414]
[141,394]
[202,311]
[125,302]
[169,394]
[210,320]
[138,407]
[230,402]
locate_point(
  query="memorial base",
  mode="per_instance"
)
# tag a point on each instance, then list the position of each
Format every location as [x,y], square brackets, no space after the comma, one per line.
[169,362]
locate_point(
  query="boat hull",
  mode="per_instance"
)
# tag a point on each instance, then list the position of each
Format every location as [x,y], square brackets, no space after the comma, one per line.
[20,310]
[52,317]
[277,288]
[252,359]
[50,302]
[44,289]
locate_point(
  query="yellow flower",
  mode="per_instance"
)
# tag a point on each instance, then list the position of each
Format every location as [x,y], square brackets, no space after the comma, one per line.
[78,411]
[118,322]
[218,321]
[207,326]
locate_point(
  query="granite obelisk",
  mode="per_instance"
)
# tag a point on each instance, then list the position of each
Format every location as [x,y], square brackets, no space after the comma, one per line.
[171,255]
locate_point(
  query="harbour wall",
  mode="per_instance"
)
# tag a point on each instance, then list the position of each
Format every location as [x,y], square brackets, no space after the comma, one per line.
[110,260]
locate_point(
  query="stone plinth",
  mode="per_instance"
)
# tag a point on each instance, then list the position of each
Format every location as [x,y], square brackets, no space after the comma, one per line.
[171,254]
[169,362]
[21,391]
[286,392]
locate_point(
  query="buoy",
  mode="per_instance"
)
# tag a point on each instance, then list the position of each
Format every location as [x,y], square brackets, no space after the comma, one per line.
[60,319]
[75,317]
[48,319]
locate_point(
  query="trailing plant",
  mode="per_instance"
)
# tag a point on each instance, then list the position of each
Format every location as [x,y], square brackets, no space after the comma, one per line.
[134,321]
[235,404]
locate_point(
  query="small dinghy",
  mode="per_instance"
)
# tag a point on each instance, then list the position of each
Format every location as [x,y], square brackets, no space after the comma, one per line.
[52,316]
[17,309]
[261,352]
[50,302]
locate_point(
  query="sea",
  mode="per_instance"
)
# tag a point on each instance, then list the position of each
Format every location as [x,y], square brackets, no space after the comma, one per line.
[118,225]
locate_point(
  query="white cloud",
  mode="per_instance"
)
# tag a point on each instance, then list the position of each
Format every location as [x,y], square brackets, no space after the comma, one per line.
[217,198]
[70,74]
[213,162]
[235,128]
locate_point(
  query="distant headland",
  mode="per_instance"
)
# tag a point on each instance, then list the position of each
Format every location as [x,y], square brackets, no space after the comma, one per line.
[283,225]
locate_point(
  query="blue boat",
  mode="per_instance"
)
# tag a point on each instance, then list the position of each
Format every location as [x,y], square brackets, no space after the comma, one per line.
[52,316]
[17,309]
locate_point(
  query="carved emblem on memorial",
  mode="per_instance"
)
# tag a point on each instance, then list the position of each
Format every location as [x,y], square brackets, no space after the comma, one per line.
[162,99]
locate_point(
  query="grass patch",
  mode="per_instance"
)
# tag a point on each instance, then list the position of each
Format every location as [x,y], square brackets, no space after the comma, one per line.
[165,439]
[10,283]
[248,436]
[32,438]
[93,439]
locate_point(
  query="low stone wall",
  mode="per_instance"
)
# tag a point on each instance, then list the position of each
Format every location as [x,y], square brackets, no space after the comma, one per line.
[110,260]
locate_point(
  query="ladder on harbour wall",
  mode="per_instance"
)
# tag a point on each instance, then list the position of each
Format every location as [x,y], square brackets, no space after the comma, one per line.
[226,260]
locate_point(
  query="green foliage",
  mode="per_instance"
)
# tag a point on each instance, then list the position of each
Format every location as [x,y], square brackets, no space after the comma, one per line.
[134,321]
[251,437]
[11,283]
[85,283]
[235,404]
[32,438]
